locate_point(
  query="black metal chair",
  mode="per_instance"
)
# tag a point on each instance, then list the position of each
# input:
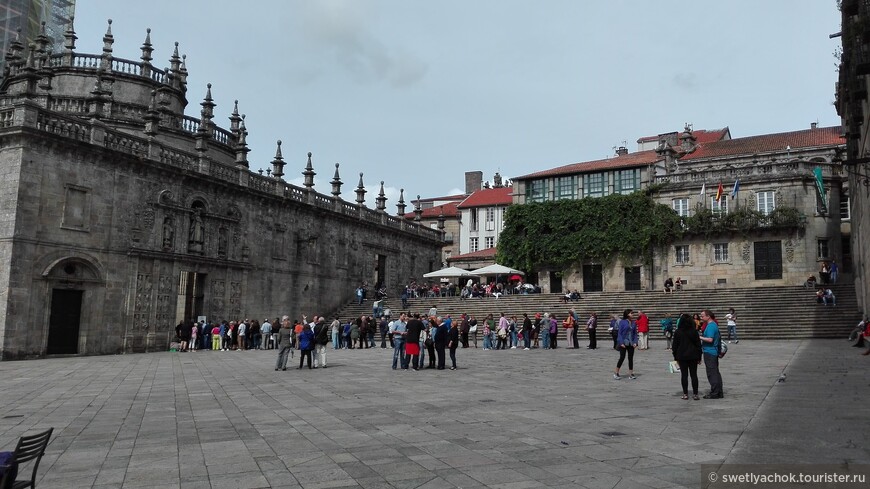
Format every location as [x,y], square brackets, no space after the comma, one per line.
[30,448]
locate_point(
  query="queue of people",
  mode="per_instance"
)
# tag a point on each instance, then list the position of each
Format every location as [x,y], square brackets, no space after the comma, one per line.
[239,335]
[413,336]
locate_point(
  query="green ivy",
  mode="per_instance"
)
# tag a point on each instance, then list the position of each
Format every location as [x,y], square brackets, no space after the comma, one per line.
[565,233]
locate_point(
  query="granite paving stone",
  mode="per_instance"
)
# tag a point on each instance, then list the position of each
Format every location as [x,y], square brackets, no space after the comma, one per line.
[508,419]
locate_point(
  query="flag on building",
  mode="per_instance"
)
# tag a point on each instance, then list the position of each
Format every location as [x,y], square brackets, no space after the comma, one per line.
[719,192]
[736,189]
[820,187]
[703,189]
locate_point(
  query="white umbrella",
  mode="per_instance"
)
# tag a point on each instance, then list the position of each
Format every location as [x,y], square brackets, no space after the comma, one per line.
[449,272]
[495,269]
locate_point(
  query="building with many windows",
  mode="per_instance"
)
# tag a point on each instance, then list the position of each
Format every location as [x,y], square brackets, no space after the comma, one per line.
[481,221]
[759,210]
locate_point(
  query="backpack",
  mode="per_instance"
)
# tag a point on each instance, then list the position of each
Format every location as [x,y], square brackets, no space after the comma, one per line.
[667,325]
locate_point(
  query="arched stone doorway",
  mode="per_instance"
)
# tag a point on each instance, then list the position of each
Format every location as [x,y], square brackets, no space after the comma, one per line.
[69,280]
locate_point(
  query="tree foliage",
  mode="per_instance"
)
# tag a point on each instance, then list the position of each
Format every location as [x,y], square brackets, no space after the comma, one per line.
[564,233]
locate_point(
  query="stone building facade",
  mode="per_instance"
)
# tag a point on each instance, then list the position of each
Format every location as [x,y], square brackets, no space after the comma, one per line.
[853,106]
[789,238]
[122,216]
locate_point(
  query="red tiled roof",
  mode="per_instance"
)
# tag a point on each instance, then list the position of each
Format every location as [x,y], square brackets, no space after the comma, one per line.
[488,197]
[487,253]
[807,138]
[640,158]
[701,136]
[449,210]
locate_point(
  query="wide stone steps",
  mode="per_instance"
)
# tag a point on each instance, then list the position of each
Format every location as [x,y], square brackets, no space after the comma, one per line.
[763,312]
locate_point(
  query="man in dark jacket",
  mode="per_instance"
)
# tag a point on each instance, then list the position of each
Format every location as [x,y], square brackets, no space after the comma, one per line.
[441,340]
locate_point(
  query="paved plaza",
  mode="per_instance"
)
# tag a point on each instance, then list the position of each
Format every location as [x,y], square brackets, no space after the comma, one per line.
[510,419]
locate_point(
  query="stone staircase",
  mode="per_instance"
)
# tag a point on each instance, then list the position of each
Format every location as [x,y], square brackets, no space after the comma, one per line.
[763,312]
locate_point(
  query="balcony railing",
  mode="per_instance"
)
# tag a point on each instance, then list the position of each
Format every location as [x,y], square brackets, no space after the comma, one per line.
[706,222]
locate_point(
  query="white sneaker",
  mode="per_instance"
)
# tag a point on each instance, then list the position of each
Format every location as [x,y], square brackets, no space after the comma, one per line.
[513,348]
[526,349]
[616,377]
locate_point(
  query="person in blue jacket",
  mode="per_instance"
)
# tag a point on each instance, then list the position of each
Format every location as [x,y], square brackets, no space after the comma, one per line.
[710,341]
[626,342]
[306,345]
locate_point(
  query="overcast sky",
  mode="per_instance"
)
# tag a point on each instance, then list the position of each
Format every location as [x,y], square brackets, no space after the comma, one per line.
[415,93]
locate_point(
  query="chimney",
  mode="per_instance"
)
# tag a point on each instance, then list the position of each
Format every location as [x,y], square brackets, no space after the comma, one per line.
[621,151]
[814,125]
[473,181]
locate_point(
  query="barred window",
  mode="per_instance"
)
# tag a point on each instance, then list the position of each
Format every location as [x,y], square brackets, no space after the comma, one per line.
[682,254]
[823,249]
[720,252]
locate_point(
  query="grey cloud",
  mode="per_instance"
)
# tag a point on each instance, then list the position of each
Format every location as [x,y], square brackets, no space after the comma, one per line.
[341,31]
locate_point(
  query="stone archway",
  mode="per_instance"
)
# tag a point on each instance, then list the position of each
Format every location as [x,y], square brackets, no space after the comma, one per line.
[69,279]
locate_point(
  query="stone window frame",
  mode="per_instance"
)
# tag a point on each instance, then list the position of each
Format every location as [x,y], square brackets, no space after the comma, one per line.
[86,210]
[823,248]
[721,255]
[682,255]
[758,201]
[679,209]
[719,207]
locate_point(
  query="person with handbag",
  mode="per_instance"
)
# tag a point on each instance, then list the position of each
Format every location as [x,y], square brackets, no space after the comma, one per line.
[472,328]
[626,341]
[686,348]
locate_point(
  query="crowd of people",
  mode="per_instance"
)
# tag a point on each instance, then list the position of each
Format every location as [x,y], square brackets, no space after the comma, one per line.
[471,290]
[691,339]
